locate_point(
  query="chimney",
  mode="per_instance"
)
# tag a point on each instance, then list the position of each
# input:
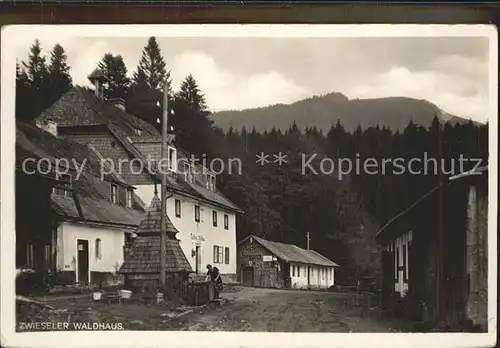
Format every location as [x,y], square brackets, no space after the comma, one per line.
[119,103]
[48,126]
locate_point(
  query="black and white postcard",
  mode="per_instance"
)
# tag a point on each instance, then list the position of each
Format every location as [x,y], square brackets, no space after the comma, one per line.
[249,185]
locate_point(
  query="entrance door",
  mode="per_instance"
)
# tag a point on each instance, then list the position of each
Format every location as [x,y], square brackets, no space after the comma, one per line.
[198,258]
[247,276]
[82,261]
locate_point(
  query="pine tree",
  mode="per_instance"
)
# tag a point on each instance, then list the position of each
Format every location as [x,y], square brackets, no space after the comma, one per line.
[152,69]
[191,93]
[36,67]
[116,71]
[38,91]
[58,78]
[23,92]
[191,119]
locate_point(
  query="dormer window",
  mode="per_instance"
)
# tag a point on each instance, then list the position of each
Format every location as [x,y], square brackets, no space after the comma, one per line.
[172,159]
[188,172]
[129,198]
[64,187]
[211,182]
[138,131]
[114,194]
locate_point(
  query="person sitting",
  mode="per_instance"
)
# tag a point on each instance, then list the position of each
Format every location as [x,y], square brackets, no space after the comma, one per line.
[213,274]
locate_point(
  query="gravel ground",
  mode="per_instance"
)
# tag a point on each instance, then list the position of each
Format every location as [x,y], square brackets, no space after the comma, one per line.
[243,309]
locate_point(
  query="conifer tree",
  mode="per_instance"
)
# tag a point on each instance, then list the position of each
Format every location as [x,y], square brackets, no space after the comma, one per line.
[36,67]
[191,119]
[152,69]
[114,68]
[58,78]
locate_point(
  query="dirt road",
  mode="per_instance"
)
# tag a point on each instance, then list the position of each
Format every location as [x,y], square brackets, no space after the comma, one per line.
[244,309]
[269,310]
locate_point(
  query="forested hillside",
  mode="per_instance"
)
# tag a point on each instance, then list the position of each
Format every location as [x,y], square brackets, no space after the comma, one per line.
[321,111]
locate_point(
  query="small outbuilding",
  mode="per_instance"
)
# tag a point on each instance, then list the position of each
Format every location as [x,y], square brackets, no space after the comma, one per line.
[268,264]
[456,212]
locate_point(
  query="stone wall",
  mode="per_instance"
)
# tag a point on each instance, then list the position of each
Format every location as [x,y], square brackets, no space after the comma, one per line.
[265,274]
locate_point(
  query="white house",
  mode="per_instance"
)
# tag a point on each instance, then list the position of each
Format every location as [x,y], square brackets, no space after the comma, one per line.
[265,263]
[205,219]
[92,217]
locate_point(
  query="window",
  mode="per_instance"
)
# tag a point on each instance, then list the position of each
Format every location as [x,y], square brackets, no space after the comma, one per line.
[322,273]
[63,187]
[29,256]
[211,182]
[214,218]
[298,271]
[293,271]
[172,159]
[114,193]
[226,222]
[218,254]
[178,208]
[129,198]
[188,172]
[197,213]
[98,250]
[138,131]
[226,256]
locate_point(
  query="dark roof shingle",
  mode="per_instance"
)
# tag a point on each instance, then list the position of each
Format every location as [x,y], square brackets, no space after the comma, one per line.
[93,194]
[144,256]
[290,252]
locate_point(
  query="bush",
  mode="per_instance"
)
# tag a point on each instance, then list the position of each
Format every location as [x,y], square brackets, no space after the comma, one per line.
[30,282]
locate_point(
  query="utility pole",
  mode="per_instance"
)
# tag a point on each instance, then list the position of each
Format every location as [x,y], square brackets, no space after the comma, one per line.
[308,237]
[163,172]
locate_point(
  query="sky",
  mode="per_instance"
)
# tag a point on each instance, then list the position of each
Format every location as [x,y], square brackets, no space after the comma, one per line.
[238,73]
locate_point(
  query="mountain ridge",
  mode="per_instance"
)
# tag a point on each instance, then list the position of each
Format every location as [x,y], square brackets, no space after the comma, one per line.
[324,110]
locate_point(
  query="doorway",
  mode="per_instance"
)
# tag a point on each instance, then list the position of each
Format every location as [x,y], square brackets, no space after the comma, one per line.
[247,276]
[82,261]
[198,258]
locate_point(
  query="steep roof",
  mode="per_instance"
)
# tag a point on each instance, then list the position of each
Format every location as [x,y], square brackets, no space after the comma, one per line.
[80,107]
[144,256]
[150,223]
[176,181]
[95,211]
[474,174]
[290,252]
[45,145]
[91,199]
